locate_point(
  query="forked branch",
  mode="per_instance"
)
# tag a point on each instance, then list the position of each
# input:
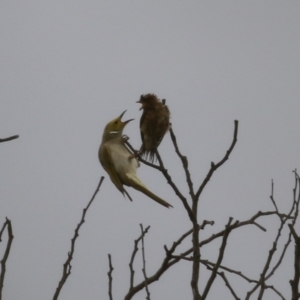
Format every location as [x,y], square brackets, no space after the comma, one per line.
[214,167]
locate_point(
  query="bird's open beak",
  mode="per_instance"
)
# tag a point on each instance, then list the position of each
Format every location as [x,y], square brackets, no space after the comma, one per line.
[140,103]
[121,115]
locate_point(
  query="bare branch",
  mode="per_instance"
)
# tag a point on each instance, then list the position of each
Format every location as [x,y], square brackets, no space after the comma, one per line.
[272,197]
[135,250]
[177,243]
[168,262]
[7,224]
[9,138]
[195,199]
[208,264]
[183,255]
[271,287]
[296,280]
[206,222]
[214,167]
[211,266]
[109,274]
[238,224]
[219,260]
[222,275]
[259,226]
[185,164]
[283,219]
[67,265]
[176,190]
[196,256]
[144,264]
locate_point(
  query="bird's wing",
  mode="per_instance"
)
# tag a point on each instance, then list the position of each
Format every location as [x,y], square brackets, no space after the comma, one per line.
[109,167]
[136,183]
[141,125]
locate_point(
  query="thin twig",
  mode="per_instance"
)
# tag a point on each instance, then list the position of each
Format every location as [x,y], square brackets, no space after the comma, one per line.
[208,264]
[211,266]
[228,285]
[67,265]
[272,196]
[196,255]
[185,164]
[110,278]
[219,260]
[178,242]
[10,235]
[214,167]
[175,188]
[144,264]
[135,250]
[296,279]
[9,138]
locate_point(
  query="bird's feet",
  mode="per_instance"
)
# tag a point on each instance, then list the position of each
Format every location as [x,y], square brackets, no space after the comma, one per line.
[135,154]
[125,138]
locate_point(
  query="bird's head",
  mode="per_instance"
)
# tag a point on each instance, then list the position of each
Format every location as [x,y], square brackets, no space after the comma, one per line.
[148,101]
[115,128]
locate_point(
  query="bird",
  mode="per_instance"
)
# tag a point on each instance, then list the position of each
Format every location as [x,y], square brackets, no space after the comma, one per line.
[154,123]
[120,163]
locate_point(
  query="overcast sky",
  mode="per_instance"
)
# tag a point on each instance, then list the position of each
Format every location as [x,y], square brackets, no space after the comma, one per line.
[69,67]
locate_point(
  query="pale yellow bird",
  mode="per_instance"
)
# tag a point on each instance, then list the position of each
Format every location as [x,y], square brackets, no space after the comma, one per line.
[119,162]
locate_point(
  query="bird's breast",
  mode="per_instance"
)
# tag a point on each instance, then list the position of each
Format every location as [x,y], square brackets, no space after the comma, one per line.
[123,160]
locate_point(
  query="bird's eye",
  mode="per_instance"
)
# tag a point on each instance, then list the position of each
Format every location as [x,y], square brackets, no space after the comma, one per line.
[116,122]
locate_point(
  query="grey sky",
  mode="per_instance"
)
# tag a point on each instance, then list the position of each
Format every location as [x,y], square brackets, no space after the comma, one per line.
[69,67]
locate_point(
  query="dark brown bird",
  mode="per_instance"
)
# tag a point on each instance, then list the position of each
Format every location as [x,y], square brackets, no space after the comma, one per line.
[154,124]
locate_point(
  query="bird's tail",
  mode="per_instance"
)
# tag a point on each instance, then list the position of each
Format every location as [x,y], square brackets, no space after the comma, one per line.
[126,193]
[138,185]
[149,155]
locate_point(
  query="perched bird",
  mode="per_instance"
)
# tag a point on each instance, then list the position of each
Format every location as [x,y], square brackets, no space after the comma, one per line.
[119,162]
[154,123]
